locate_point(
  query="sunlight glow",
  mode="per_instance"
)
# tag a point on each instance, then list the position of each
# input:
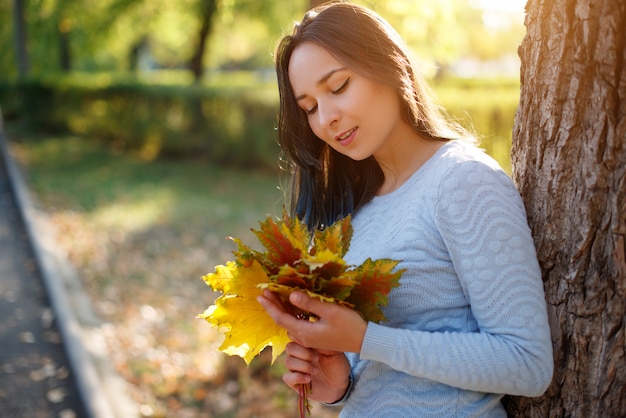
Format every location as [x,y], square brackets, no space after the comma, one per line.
[500,6]
[135,214]
[498,14]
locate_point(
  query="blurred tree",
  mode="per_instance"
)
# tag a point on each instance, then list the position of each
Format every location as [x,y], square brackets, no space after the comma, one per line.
[491,33]
[436,31]
[207,9]
[569,162]
[200,34]
[19,28]
[65,58]
[58,32]
[112,35]
[247,31]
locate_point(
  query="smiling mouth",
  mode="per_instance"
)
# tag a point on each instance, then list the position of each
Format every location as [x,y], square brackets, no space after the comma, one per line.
[345,135]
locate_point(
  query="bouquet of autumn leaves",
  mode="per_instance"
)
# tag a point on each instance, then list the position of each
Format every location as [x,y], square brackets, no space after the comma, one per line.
[294,259]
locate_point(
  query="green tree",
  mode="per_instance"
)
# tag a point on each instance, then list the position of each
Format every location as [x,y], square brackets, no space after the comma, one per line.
[442,32]
[201,34]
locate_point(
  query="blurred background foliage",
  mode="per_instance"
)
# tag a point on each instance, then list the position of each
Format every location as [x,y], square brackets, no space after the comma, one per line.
[166,78]
[119,35]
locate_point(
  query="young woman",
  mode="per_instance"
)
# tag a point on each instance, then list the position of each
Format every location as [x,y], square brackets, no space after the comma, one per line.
[468,322]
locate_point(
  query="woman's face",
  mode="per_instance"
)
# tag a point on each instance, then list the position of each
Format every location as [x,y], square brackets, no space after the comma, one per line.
[353,114]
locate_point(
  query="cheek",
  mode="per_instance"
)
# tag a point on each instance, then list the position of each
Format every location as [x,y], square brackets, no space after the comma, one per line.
[315,127]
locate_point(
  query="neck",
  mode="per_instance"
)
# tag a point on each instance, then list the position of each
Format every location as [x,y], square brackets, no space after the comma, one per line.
[403,158]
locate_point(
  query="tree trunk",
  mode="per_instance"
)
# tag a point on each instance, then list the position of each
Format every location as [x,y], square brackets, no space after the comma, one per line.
[19,30]
[65,56]
[207,10]
[569,162]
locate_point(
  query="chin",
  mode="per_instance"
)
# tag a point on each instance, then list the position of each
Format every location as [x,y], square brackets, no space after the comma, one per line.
[359,157]
[353,155]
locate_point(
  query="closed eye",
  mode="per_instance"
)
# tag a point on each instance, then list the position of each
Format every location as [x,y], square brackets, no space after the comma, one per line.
[338,90]
[342,87]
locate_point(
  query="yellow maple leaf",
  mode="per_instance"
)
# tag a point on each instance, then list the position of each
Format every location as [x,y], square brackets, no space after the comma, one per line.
[323,258]
[248,329]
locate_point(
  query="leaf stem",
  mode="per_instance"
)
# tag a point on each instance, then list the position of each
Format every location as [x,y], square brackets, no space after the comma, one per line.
[304,407]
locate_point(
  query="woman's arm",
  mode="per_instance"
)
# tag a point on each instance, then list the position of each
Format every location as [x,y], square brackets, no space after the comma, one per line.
[482,221]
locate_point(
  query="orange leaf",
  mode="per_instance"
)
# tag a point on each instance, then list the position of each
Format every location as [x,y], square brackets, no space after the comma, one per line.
[335,238]
[281,245]
[376,279]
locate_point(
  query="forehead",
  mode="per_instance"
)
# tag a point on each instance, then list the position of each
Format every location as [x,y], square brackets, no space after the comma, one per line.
[309,63]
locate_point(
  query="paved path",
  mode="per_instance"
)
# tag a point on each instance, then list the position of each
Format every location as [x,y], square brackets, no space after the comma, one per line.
[35,377]
[53,359]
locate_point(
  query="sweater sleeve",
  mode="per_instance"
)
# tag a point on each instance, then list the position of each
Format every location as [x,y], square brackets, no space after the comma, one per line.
[482,221]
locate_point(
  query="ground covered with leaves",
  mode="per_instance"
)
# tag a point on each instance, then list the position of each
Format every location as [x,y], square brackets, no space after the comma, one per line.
[142,234]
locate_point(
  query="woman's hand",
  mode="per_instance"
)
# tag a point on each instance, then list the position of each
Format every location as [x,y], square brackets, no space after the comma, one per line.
[328,373]
[337,329]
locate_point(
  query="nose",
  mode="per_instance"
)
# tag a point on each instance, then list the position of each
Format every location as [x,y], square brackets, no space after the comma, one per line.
[328,114]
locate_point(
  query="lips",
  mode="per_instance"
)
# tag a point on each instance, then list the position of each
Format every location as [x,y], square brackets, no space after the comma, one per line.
[346,137]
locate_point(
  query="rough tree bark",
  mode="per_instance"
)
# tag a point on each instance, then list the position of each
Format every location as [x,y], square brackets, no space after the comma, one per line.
[569,162]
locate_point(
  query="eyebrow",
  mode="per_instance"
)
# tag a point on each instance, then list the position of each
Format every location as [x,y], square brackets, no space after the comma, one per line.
[322,80]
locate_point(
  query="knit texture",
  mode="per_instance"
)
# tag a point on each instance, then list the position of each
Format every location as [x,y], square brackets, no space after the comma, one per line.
[468,322]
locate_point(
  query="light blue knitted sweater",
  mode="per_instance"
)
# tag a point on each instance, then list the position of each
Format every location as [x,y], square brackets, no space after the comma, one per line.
[468,322]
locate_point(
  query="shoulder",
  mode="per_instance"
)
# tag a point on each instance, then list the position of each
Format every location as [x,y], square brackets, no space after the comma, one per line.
[471,178]
[473,182]
[465,165]
[458,152]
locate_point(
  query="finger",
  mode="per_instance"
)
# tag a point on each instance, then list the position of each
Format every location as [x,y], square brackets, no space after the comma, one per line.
[297,350]
[328,353]
[297,365]
[309,304]
[278,313]
[293,379]
[270,302]
[272,296]
[266,298]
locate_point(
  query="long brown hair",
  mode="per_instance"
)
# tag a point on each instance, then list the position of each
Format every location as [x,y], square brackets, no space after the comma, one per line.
[327,185]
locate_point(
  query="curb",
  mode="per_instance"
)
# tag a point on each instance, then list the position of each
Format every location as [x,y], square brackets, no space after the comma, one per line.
[100,388]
